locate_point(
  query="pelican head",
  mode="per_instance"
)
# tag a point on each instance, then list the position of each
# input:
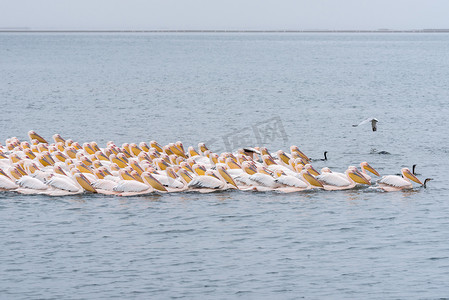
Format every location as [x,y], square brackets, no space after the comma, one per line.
[68,142]
[264,151]
[153,182]
[311,169]
[278,173]
[88,148]
[185,175]
[192,152]
[122,157]
[202,148]
[31,167]
[60,146]
[295,149]
[325,170]
[136,176]
[59,170]
[135,150]
[176,150]
[34,136]
[225,175]
[249,168]
[199,169]
[57,138]
[3,173]
[268,160]
[214,158]
[406,173]
[314,183]
[185,166]
[283,157]
[156,146]
[264,170]
[211,174]
[356,176]
[84,182]
[365,166]
[232,164]
[144,146]
[14,173]
[125,175]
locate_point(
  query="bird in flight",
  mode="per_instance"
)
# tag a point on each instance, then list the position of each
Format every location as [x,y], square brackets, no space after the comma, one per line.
[373,123]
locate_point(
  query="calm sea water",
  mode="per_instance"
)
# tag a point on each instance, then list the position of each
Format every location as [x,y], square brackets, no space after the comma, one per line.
[232,90]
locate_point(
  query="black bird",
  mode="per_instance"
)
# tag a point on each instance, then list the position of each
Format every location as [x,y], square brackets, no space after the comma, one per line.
[320,159]
[374,151]
[413,170]
[425,182]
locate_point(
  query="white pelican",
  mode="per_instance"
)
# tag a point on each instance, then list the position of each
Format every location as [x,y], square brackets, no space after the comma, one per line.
[289,183]
[308,178]
[242,178]
[57,185]
[208,183]
[106,185]
[168,181]
[284,158]
[263,181]
[131,186]
[373,122]
[335,181]
[30,185]
[391,183]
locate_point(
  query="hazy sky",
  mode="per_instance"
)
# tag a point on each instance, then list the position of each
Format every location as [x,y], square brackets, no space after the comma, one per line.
[229,14]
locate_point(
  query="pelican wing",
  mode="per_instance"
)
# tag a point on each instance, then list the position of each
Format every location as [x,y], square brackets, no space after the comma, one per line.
[264,180]
[112,178]
[6,183]
[291,181]
[105,184]
[63,184]
[29,182]
[203,160]
[394,180]
[41,175]
[168,181]
[279,167]
[235,172]
[130,186]
[243,179]
[205,181]
[333,179]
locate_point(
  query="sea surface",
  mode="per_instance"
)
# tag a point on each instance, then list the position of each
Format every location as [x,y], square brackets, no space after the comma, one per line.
[232,90]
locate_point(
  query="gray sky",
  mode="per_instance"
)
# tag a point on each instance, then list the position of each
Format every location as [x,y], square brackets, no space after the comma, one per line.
[229,14]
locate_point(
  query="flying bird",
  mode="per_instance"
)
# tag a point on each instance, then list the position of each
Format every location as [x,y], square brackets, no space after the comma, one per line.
[373,123]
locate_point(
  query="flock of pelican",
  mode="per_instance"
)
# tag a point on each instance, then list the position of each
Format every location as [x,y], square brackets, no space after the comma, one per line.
[66,167]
